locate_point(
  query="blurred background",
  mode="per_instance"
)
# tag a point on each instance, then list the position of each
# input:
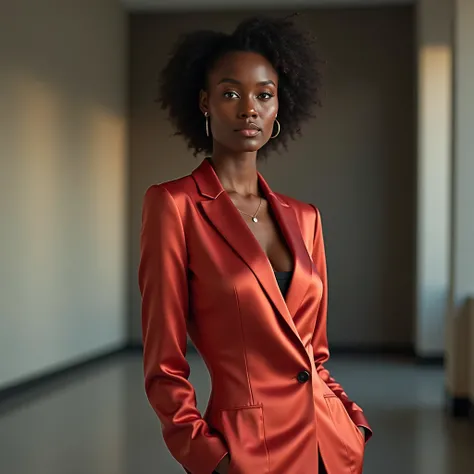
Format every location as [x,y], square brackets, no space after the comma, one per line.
[389,161]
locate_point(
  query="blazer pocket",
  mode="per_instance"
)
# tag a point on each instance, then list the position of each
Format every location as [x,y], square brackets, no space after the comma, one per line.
[244,431]
[354,445]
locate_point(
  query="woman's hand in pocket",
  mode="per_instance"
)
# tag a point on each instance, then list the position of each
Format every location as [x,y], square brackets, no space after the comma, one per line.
[223,466]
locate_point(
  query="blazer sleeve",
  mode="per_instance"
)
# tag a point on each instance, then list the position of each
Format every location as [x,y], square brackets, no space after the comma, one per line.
[320,342]
[163,283]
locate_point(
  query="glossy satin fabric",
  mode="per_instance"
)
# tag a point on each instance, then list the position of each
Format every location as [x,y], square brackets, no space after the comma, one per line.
[202,271]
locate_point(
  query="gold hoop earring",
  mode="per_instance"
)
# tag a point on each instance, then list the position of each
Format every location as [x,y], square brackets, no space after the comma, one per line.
[278,129]
[206,114]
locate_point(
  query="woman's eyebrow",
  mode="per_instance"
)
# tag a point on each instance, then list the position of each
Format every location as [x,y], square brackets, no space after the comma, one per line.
[266,83]
[228,79]
[235,81]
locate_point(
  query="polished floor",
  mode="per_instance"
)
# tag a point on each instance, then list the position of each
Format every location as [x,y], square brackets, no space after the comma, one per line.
[99,422]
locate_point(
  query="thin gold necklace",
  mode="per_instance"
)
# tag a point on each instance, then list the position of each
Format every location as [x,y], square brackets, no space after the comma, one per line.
[254,216]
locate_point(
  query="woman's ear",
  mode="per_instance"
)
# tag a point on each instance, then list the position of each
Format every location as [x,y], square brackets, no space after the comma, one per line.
[203,101]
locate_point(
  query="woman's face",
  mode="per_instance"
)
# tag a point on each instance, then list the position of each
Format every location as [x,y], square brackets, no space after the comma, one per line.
[242,101]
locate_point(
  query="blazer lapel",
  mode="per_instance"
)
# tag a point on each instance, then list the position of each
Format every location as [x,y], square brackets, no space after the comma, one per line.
[288,223]
[227,220]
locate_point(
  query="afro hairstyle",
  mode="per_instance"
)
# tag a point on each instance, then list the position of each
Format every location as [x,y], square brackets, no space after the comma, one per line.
[290,51]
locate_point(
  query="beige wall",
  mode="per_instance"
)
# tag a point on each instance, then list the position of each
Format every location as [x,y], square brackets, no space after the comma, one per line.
[62,183]
[356,162]
[434,173]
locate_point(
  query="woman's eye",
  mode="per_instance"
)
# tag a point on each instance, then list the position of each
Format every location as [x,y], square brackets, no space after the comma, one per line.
[265,95]
[231,95]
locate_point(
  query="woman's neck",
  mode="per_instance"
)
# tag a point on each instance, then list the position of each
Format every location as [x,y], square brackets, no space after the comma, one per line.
[237,173]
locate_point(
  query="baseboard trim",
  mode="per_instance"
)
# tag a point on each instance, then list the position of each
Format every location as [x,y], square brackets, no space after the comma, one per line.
[430,360]
[372,350]
[134,347]
[459,407]
[56,376]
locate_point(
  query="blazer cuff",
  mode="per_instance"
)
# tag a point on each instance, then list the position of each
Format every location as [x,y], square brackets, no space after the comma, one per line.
[359,419]
[216,451]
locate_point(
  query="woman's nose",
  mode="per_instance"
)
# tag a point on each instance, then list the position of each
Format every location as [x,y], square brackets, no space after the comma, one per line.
[247,109]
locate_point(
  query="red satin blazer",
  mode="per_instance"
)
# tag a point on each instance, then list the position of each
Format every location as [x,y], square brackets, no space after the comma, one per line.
[273,406]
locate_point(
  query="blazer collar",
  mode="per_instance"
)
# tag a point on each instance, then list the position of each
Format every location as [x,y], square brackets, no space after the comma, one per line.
[227,220]
[210,186]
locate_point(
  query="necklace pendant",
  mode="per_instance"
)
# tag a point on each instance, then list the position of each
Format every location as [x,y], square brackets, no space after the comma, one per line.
[254,219]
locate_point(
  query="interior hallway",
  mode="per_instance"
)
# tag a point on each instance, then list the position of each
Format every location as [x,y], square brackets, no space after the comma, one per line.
[99,421]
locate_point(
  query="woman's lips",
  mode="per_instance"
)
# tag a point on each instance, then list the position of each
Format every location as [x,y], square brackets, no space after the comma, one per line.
[249,132]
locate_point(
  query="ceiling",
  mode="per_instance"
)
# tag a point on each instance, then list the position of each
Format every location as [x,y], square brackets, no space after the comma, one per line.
[168,5]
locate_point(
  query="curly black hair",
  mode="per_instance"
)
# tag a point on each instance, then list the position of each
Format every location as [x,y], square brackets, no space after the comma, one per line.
[289,50]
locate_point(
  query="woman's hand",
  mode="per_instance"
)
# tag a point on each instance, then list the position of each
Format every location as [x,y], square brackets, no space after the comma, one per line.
[223,466]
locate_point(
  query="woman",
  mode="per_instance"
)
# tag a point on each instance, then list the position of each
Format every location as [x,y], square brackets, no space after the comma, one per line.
[242,269]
